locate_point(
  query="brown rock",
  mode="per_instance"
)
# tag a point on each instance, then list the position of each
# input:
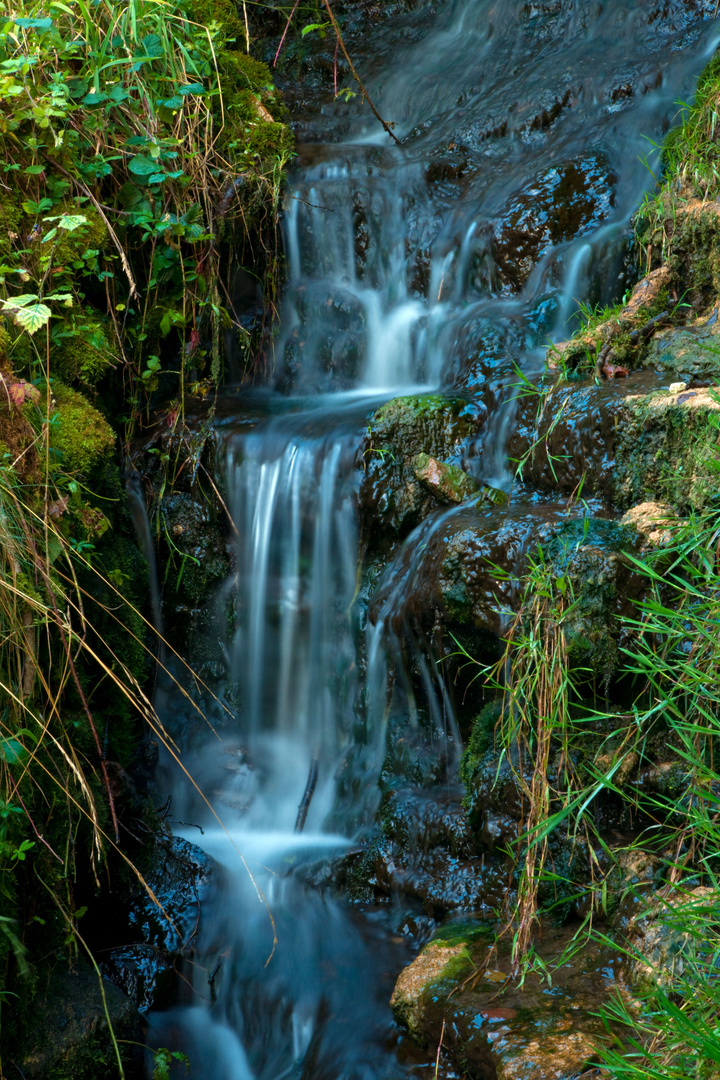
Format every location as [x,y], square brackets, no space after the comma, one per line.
[654,520]
[647,291]
[407,998]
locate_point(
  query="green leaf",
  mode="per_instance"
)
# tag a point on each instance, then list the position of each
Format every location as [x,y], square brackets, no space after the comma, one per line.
[141,165]
[157,178]
[34,170]
[94,99]
[34,24]
[118,94]
[31,207]
[29,316]
[71,222]
[153,46]
[175,102]
[12,751]
[314,26]
[192,88]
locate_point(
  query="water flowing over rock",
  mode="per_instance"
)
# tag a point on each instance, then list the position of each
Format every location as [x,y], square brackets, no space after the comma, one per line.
[377,538]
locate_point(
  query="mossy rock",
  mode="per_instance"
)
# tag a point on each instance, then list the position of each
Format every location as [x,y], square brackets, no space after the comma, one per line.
[429,423]
[82,352]
[667,448]
[80,435]
[687,352]
[69,1038]
[71,245]
[447,482]
[402,437]
[224,12]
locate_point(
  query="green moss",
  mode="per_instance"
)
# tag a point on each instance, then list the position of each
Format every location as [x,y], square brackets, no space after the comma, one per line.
[666,450]
[70,246]
[80,435]
[448,482]
[10,218]
[430,423]
[479,755]
[82,352]
[464,932]
[5,342]
[224,12]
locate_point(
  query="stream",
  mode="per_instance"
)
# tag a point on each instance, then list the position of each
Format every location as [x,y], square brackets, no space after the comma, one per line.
[527,135]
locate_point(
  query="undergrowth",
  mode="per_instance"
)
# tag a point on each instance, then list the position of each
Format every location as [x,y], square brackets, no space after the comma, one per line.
[640,765]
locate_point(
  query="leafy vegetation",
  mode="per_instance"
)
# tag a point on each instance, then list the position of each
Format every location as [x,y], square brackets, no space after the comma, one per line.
[136,137]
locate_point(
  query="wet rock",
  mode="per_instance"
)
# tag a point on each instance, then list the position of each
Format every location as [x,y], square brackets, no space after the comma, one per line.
[425,855]
[437,961]
[662,943]
[687,352]
[628,441]
[567,201]
[591,554]
[393,496]
[694,249]
[492,1028]
[466,568]
[649,295]
[159,932]
[70,1038]
[448,483]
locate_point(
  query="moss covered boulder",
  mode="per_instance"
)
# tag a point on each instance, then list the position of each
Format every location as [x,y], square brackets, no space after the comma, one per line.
[400,486]
[69,1038]
[687,352]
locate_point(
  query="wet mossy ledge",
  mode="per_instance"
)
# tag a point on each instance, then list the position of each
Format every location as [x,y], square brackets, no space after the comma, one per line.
[590,740]
[145,149]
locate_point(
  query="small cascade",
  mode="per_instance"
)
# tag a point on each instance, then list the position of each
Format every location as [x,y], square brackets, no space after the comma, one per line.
[436,264]
[296,578]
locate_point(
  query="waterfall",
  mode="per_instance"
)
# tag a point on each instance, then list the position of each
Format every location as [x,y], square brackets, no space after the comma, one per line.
[436,264]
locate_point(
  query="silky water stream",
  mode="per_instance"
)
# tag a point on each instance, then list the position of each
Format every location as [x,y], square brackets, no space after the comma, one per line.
[438,263]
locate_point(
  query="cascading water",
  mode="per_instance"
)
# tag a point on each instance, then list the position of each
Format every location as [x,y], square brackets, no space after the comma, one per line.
[442,262]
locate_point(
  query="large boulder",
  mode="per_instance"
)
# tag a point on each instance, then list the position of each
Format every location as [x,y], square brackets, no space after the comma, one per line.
[629,441]
[70,1038]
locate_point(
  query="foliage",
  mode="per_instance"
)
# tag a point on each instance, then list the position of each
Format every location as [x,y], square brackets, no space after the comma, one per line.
[134,138]
[568,752]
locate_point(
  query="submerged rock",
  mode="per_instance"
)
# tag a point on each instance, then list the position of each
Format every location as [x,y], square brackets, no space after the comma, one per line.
[459,994]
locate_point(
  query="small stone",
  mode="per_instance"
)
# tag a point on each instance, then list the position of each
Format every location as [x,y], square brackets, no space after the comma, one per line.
[653,520]
[677,387]
[407,1001]
[447,482]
